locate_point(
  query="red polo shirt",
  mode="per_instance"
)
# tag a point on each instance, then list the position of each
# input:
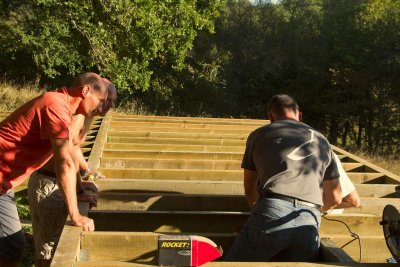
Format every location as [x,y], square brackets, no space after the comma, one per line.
[25,134]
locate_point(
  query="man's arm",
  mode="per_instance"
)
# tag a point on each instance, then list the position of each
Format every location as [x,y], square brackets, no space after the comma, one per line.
[250,180]
[351,197]
[66,175]
[332,195]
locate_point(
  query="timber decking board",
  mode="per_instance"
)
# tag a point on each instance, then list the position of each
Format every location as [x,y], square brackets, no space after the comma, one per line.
[142,247]
[215,187]
[184,141]
[155,163]
[211,175]
[154,134]
[216,222]
[164,201]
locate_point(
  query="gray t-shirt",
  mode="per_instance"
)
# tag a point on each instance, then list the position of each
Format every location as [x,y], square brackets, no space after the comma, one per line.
[291,159]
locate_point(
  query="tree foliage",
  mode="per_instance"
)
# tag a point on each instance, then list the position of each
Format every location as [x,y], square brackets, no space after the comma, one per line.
[124,40]
[340,59]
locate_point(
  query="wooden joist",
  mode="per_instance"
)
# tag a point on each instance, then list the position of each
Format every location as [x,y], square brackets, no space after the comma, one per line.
[217,187]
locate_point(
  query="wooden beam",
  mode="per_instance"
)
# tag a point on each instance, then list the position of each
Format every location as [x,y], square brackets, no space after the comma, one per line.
[168,221]
[366,177]
[121,117]
[173,174]
[216,187]
[98,146]
[155,163]
[154,134]
[353,166]
[142,247]
[167,201]
[212,221]
[174,186]
[184,130]
[214,175]
[68,248]
[169,147]
[173,125]
[373,248]
[176,141]
[112,153]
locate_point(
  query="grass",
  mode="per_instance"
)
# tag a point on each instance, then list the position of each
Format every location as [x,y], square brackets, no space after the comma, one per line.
[388,162]
[12,96]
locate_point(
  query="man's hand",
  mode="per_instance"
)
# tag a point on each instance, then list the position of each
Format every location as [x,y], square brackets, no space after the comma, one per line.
[86,223]
[92,176]
[89,185]
[92,199]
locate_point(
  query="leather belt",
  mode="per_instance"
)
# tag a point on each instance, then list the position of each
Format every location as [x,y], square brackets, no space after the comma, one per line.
[292,200]
[47,173]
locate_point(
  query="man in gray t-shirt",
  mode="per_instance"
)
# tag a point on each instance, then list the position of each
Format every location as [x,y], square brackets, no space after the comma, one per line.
[289,174]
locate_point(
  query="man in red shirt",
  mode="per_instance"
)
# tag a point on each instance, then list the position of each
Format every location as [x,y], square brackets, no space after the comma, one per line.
[29,137]
[48,223]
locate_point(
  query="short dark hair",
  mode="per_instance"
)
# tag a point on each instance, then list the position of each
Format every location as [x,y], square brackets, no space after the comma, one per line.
[278,104]
[89,78]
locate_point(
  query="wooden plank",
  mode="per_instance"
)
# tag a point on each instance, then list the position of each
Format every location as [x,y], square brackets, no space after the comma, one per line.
[216,187]
[165,202]
[149,125]
[168,221]
[142,247]
[176,141]
[361,224]
[353,166]
[119,117]
[162,201]
[377,190]
[68,248]
[112,153]
[184,130]
[214,175]
[168,147]
[373,248]
[154,134]
[366,177]
[373,205]
[119,246]
[98,146]
[173,186]
[212,221]
[154,163]
[172,174]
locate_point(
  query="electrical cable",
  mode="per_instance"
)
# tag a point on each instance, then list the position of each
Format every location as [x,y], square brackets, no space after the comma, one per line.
[352,234]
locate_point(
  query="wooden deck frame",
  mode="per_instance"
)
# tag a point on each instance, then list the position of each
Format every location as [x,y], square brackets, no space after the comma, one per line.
[365,225]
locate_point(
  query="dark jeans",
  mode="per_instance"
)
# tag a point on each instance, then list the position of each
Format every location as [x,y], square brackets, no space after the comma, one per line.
[278,230]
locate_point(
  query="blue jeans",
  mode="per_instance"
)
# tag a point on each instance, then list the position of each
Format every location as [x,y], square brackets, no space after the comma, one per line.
[278,230]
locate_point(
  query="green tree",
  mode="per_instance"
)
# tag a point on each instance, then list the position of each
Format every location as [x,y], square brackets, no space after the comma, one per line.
[127,41]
